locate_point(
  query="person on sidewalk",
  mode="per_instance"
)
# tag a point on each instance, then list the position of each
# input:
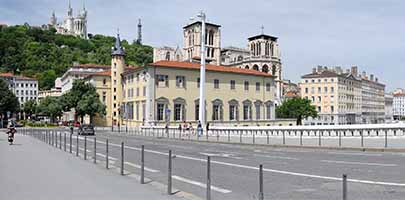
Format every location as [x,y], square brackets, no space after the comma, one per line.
[199,129]
[11,131]
[208,127]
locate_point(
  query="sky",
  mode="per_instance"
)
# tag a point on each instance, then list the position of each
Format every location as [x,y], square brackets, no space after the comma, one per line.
[369,34]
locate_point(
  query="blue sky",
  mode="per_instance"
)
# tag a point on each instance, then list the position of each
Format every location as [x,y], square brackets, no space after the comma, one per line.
[366,33]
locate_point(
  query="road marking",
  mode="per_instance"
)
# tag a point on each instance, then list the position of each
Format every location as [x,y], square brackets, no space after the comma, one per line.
[359,163]
[203,185]
[277,157]
[355,154]
[139,167]
[270,170]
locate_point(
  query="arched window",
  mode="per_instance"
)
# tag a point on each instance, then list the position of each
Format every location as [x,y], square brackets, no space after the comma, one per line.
[179,110]
[269,109]
[190,39]
[258,109]
[255,67]
[274,70]
[271,49]
[168,55]
[162,105]
[252,49]
[233,110]
[211,37]
[247,110]
[240,58]
[247,67]
[265,69]
[217,110]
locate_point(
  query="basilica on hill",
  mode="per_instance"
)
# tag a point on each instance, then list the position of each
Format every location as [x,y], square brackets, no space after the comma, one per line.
[261,54]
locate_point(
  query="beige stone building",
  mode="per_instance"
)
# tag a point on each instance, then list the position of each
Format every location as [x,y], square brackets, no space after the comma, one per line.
[343,97]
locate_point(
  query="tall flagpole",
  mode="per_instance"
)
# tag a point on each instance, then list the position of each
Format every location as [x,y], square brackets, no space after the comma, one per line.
[201,114]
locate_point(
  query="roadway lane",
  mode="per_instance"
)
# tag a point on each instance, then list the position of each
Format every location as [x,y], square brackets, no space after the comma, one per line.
[289,173]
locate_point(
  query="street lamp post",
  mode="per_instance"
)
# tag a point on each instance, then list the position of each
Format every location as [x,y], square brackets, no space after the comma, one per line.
[201,114]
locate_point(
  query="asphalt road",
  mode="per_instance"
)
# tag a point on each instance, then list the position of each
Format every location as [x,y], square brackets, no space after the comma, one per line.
[289,173]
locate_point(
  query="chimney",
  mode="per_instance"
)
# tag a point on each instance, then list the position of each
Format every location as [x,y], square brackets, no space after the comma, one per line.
[376,79]
[319,68]
[354,71]
[364,74]
[371,77]
[314,70]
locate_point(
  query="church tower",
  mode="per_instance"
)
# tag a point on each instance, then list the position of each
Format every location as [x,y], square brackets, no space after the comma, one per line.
[117,68]
[69,20]
[53,20]
[192,42]
[139,40]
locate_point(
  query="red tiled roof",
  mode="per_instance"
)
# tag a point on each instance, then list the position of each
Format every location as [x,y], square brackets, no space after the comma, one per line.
[92,66]
[399,95]
[104,73]
[216,68]
[291,94]
[25,78]
[6,74]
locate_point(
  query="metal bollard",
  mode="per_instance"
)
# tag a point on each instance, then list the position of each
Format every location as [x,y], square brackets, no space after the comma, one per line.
[77,145]
[95,151]
[106,154]
[320,139]
[229,136]
[362,138]
[386,139]
[344,187]
[85,147]
[240,137]
[302,132]
[261,193]
[253,137]
[60,140]
[283,137]
[208,178]
[267,137]
[122,158]
[70,143]
[169,174]
[143,164]
[64,141]
[340,138]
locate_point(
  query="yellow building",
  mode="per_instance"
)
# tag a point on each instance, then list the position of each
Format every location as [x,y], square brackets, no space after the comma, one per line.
[167,92]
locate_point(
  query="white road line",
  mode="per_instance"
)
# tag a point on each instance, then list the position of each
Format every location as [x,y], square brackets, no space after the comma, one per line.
[203,185]
[270,170]
[138,166]
[355,154]
[359,163]
[277,157]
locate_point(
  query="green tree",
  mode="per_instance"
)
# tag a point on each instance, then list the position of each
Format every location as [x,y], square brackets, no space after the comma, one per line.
[84,98]
[8,101]
[297,108]
[50,106]
[30,108]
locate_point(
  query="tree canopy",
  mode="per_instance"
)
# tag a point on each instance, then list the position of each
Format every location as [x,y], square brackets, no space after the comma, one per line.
[50,106]
[8,101]
[297,108]
[45,55]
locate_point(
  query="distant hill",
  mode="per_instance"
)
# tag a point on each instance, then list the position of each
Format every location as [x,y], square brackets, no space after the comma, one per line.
[45,55]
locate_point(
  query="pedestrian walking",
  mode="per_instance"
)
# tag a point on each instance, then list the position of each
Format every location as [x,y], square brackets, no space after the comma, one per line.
[207,127]
[199,129]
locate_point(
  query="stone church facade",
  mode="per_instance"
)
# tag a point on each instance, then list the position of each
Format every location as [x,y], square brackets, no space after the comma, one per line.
[262,52]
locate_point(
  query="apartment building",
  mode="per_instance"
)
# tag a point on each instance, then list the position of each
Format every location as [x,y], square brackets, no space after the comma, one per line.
[24,88]
[399,104]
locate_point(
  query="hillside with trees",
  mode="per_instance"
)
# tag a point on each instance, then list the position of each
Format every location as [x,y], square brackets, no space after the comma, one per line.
[45,55]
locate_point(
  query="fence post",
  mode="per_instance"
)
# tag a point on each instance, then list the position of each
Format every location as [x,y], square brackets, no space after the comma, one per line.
[143,164]
[77,145]
[386,139]
[283,137]
[64,141]
[240,136]
[60,140]
[268,137]
[169,174]
[208,178]
[319,135]
[70,143]
[344,187]
[362,138]
[253,137]
[106,154]
[85,147]
[229,135]
[261,193]
[95,151]
[340,138]
[122,158]
[302,132]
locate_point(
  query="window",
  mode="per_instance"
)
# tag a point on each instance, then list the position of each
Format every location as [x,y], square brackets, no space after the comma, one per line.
[306,90]
[306,81]
[233,83]
[326,89]
[115,74]
[198,82]
[215,112]
[258,111]
[180,82]
[257,86]
[115,90]
[332,89]
[313,99]
[268,86]
[319,99]
[216,83]
[18,92]
[319,90]
[197,111]
[312,90]
[115,105]
[144,90]
[247,112]
[268,110]
[162,80]
[232,112]
[137,111]
[104,97]
[104,81]
[313,81]
[246,85]
[115,82]
[178,112]
[137,92]
[319,80]
[319,109]
[160,111]
[115,97]
[332,109]
[143,110]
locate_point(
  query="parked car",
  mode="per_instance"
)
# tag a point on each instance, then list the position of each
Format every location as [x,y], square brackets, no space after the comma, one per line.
[86,129]
[76,124]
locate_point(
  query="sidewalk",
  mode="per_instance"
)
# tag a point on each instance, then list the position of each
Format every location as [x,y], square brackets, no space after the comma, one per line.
[30,169]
